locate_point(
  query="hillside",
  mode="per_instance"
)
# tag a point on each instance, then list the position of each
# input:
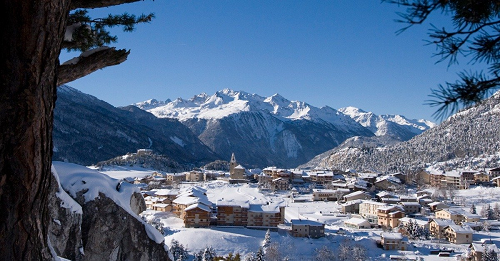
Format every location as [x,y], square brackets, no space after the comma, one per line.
[88,130]
[395,126]
[471,133]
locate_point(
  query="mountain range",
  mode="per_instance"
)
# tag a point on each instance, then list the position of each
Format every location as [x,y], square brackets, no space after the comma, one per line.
[88,130]
[274,131]
[470,138]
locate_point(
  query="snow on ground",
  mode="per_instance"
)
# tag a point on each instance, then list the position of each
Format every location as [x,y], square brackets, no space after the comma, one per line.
[244,241]
[238,192]
[238,239]
[122,172]
[75,179]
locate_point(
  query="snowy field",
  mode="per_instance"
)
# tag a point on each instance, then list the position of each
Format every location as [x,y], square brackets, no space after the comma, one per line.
[241,240]
[119,172]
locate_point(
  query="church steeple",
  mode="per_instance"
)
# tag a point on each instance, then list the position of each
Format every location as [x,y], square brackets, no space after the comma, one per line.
[236,171]
[232,164]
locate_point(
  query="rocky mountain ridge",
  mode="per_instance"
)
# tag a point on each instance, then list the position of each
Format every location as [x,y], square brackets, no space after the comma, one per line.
[395,126]
[266,131]
[470,133]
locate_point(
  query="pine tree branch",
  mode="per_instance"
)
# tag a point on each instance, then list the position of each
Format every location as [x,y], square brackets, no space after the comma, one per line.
[75,4]
[90,62]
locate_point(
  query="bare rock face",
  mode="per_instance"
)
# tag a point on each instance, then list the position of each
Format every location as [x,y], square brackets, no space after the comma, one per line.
[111,233]
[137,203]
[94,217]
[65,232]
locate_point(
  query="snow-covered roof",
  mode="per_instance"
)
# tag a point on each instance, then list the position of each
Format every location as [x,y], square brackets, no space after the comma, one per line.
[389,178]
[436,203]
[460,211]
[357,221]
[194,192]
[453,173]
[176,174]
[194,188]
[409,203]
[392,236]
[160,205]
[481,247]
[324,191]
[200,206]
[373,203]
[239,167]
[354,194]
[367,175]
[353,202]
[396,212]
[385,194]
[167,192]
[424,191]
[273,168]
[418,221]
[191,200]
[443,222]
[269,208]
[306,222]
[461,230]
[232,203]
[408,198]
[387,208]
[358,183]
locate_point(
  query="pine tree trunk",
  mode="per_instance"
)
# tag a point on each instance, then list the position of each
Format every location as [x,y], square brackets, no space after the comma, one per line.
[30,43]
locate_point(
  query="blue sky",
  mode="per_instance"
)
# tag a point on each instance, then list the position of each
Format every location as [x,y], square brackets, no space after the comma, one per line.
[336,53]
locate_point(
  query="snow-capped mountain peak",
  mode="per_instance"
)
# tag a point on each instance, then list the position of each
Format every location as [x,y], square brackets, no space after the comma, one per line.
[392,125]
[151,103]
[227,102]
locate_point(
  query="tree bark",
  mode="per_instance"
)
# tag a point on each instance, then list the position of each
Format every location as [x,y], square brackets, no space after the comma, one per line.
[86,65]
[32,33]
[75,4]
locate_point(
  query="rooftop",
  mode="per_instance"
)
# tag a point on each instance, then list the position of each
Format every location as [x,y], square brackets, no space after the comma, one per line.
[306,222]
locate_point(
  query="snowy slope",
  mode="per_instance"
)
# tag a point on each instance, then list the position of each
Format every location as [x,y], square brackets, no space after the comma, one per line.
[392,125]
[76,180]
[273,130]
[227,102]
[261,131]
[469,134]
[88,130]
[242,240]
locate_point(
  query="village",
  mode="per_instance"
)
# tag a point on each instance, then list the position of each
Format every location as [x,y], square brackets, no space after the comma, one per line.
[401,210]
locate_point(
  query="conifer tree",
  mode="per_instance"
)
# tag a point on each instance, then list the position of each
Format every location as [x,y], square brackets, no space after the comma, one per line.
[179,252]
[473,209]
[32,38]
[496,211]
[267,240]
[474,36]
[324,254]
[273,252]
[490,254]
[259,256]
[489,213]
